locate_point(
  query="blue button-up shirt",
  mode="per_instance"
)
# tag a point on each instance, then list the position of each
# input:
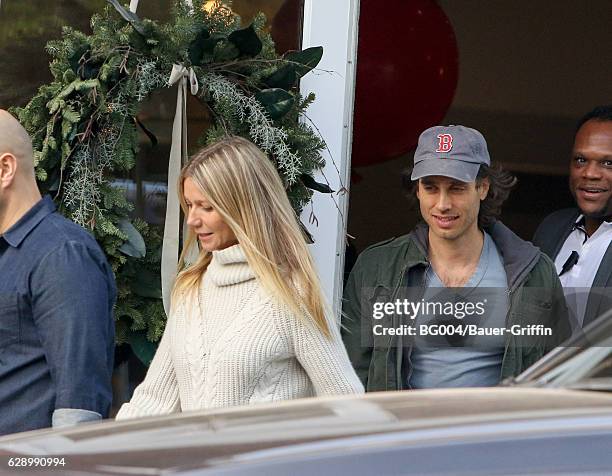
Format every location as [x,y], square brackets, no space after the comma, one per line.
[57,293]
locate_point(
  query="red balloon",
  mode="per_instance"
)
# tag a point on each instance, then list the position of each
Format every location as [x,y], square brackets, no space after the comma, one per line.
[407,72]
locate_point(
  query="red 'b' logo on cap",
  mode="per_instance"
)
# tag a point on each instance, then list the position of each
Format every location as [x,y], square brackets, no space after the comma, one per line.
[445,143]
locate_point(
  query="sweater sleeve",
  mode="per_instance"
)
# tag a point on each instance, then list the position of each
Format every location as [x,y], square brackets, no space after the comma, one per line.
[323,358]
[158,394]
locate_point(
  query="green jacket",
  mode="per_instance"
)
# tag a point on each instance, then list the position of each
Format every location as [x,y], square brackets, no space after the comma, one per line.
[394,269]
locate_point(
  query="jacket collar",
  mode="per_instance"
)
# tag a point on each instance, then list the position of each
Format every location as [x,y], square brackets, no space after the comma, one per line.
[569,220]
[519,256]
[17,233]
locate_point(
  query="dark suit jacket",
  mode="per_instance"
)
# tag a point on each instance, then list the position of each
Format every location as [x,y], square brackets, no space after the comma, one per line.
[550,236]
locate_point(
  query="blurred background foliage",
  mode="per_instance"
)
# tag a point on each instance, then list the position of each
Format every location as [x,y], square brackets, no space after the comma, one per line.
[25,28]
[27,25]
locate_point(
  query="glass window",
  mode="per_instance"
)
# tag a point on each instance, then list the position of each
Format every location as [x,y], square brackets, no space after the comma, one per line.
[25,28]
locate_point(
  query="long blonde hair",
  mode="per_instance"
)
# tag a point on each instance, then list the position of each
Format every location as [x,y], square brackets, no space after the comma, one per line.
[243,186]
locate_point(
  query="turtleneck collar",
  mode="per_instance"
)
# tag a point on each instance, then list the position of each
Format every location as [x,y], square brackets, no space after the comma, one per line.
[229,266]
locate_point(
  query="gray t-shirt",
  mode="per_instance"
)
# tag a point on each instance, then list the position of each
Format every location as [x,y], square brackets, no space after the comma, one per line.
[470,361]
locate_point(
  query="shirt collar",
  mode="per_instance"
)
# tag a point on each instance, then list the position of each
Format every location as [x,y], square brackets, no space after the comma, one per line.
[17,233]
[580,221]
[580,224]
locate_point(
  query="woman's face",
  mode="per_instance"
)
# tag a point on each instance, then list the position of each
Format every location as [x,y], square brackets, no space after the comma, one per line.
[213,233]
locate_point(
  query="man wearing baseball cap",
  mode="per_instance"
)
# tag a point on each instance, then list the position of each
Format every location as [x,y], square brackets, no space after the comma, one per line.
[405,316]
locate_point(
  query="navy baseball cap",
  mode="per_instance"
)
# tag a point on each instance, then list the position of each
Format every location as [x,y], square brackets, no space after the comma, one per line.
[451,151]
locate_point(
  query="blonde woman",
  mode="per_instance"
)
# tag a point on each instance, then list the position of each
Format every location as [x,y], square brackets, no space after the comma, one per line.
[248,321]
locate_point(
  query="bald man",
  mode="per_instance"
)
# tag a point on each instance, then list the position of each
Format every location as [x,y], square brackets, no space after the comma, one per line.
[57,294]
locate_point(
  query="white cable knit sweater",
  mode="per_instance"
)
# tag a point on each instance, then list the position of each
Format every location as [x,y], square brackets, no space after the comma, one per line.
[235,345]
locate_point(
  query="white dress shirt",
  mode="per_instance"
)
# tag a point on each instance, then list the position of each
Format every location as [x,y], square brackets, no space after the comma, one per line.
[578,280]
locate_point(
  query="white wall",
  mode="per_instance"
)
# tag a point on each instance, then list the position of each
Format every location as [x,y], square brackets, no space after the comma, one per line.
[333,25]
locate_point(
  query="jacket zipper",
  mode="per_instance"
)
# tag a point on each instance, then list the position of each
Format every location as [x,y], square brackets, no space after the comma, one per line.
[398,376]
[399,383]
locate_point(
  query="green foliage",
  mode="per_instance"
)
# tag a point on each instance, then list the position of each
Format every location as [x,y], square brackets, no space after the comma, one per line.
[84,127]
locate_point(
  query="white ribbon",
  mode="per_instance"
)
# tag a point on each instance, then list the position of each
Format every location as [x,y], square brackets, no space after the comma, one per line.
[178,157]
[180,72]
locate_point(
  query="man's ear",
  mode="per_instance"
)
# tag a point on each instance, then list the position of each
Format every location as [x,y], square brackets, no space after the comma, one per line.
[483,188]
[8,169]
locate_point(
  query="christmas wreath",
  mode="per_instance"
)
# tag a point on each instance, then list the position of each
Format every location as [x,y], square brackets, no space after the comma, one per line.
[84,126]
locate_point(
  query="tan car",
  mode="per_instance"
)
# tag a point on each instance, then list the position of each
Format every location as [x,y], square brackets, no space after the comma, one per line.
[493,431]
[565,430]
[584,362]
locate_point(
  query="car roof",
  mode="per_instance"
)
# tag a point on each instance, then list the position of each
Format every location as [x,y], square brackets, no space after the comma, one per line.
[206,439]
